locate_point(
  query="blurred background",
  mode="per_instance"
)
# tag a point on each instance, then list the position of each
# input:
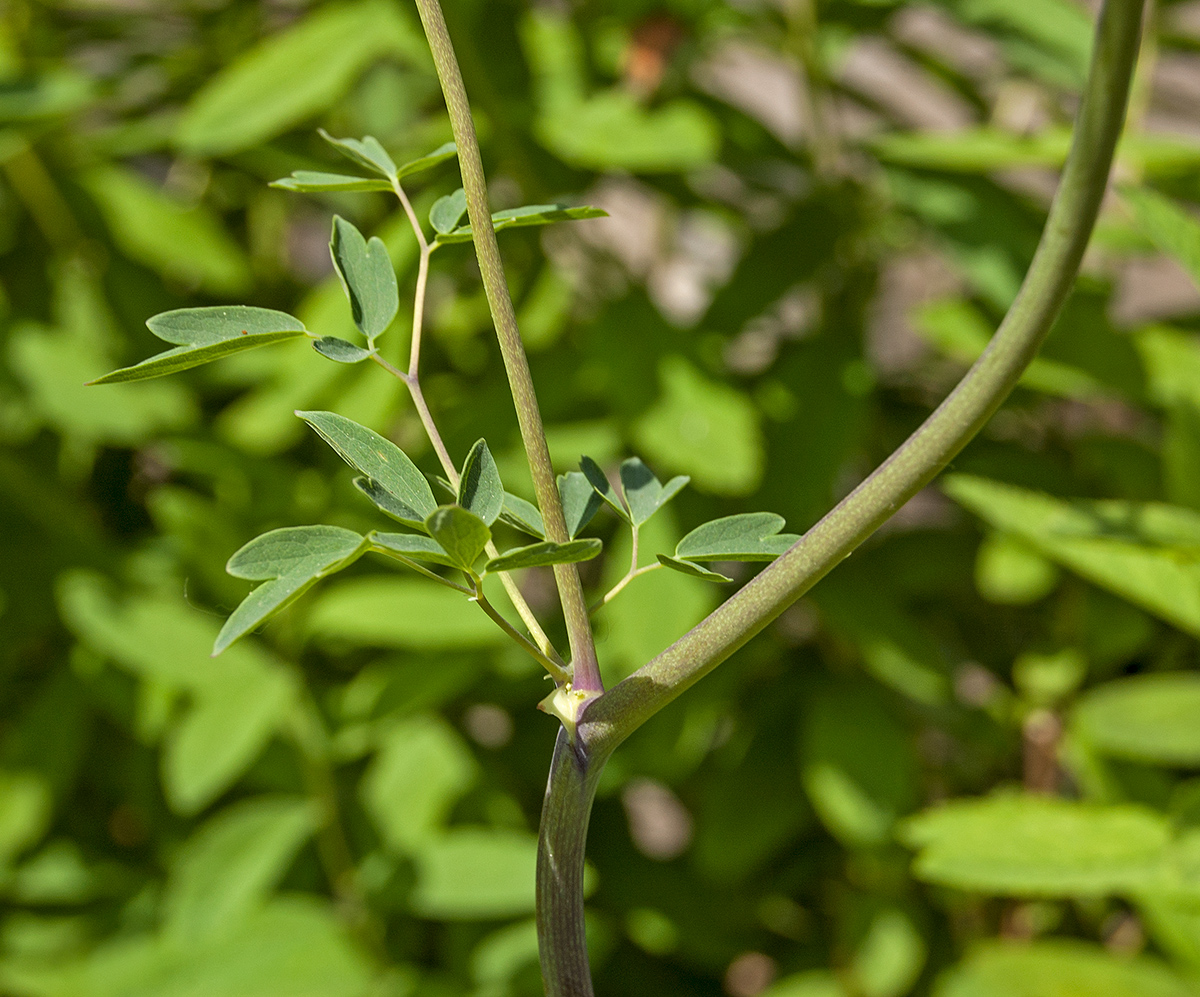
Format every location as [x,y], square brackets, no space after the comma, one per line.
[818,212]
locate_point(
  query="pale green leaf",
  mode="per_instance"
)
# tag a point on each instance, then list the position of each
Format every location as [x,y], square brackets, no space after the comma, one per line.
[366,152]
[644,494]
[367,277]
[228,867]
[599,481]
[1009,572]
[890,958]
[693,569]
[480,490]
[748,536]
[290,561]
[525,516]
[462,534]
[25,811]
[579,499]
[447,211]
[413,546]
[295,74]
[399,612]
[476,874]
[1145,718]
[544,553]
[421,770]
[382,461]
[1059,968]
[439,155]
[1038,846]
[310,182]
[333,348]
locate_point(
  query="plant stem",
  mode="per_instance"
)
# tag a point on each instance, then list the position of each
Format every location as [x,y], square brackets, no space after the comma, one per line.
[586,669]
[557,670]
[611,718]
[1049,280]
[633,572]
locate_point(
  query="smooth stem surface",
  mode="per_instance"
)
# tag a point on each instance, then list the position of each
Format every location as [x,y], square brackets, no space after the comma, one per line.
[1051,275]
[586,676]
[609,719]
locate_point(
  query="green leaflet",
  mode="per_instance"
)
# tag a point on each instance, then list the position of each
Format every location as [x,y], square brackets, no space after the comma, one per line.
[580,500]
[748,536]
[691,568]
[340,351]
[447,211]
[599,481]
[644,494]
[443,152]
[290,561]
[523,515]
[480,490]
[462,534]
[366,152]
[412,545]
[310,182]
[530,214]
[367,277]
[409,497]
[545,553]
[1144,718]
[202,335]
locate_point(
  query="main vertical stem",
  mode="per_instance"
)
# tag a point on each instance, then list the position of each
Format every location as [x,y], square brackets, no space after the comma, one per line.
[561,840]
[579,628]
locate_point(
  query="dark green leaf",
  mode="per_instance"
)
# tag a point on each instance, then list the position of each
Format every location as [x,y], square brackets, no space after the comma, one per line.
[439,155]
[644,493]
[290,561]
[523,515]
[479,488]
[531,214]
[205,334]
[308,182]
[367,152]
[446,212]
[748,536]
[382,461]
[545,553]
[462,534]
[689,568]
[340,350]
[599,481]
[367,275]
[580,500]
[412,545]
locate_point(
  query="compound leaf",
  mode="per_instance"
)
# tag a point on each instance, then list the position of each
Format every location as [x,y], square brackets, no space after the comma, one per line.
[409,498]
[201,335]
[462,534]
[289,561]
[479,488]
[748,536]
[367,276]
[544,553]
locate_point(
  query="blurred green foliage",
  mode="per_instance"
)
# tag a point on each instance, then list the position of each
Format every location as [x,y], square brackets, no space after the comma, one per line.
[966,765]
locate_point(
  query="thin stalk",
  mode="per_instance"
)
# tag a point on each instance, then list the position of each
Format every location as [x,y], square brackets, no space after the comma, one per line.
[617,589]
[586,677]
[611,718]
[557,670]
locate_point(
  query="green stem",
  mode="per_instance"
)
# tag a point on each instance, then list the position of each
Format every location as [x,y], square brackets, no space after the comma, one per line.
[586,676]
[612,717]
[556,669]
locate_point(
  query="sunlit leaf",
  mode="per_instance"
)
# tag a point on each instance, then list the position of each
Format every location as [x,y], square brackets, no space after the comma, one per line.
[1145,718]
[462,534]
[476,874]
[410,499]
[366,152]
[447,211]
[644,494]
[289,561]
[545,553]
[367,276]
[479,488]
[748,536]
[439,155]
